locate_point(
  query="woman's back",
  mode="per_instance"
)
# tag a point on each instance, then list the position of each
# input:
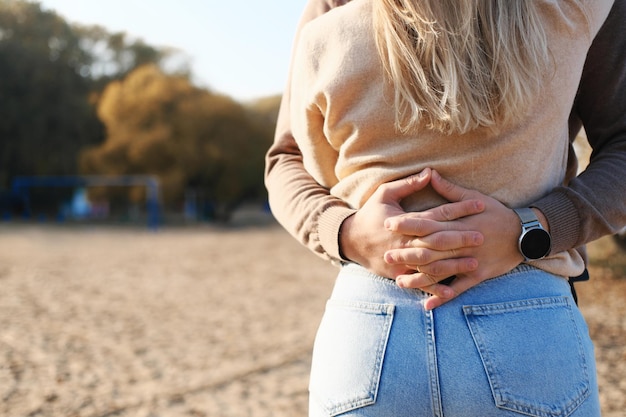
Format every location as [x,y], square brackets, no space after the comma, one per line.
[339,84]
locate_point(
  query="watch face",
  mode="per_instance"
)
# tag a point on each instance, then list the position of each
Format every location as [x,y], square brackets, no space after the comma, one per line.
[535,244]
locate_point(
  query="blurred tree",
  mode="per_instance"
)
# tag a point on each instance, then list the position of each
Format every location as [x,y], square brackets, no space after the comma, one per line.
[46,116]
[65,88]
[51,75]
[265,110]
[162,125]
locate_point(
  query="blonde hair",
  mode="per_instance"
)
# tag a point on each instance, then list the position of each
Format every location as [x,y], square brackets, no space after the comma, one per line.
[460,64]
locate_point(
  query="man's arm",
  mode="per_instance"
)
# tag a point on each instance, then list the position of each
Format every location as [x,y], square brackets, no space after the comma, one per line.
[592,205]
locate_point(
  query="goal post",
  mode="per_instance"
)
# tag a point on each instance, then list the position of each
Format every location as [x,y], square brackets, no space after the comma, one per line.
[20,186]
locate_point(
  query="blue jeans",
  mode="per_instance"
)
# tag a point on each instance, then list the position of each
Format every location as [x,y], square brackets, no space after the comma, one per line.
[513,346]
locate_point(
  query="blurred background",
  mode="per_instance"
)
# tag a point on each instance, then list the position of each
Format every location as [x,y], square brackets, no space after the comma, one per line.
[172,105]
[141,274]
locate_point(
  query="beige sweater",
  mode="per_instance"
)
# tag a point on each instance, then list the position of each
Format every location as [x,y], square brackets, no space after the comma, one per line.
[342,119]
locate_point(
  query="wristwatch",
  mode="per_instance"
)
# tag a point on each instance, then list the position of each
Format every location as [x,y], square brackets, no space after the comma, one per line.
[535,241]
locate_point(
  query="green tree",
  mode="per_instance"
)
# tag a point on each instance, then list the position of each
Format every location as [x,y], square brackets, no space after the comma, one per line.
[46,114]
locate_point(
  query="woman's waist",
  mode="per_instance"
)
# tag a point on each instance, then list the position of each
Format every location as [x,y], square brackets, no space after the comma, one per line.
[355,283]
[513,186]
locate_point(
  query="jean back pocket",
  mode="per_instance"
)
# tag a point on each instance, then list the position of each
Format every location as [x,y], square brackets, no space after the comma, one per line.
[348,355]
[533,354]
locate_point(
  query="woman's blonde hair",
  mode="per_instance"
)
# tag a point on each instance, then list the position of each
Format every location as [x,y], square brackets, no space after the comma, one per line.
[460,64]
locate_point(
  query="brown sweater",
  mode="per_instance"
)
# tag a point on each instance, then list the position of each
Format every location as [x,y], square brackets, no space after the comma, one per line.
[522,165]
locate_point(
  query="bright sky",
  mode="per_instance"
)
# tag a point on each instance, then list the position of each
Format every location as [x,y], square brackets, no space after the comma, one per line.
[240,48]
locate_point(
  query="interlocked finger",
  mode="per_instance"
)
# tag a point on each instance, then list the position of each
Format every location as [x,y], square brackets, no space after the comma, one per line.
[433,273]
[459,286]
[432,279]
[418,280]
[434,288]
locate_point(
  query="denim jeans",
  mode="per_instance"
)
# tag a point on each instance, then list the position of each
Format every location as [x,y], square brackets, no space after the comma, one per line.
[513,346]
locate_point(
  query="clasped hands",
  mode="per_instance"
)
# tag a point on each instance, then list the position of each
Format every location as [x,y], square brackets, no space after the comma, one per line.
[473,237]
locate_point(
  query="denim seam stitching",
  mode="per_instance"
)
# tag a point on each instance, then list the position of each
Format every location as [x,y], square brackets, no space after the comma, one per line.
[433,368]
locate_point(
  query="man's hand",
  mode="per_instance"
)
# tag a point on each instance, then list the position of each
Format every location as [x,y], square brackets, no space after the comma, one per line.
[498,224]
[367,236]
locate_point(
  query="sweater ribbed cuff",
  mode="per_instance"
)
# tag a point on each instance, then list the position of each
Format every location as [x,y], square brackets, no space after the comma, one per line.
[563,219]
[329,225]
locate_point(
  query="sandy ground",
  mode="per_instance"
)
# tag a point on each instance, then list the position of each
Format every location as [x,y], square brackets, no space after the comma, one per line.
[193,322]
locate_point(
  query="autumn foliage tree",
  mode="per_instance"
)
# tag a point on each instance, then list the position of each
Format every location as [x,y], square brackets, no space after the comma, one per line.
[162,125]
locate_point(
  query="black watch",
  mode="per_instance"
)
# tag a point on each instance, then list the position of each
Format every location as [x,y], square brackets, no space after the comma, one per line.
[535,241]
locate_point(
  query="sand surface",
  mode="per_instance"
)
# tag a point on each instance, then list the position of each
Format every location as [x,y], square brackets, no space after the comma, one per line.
[192,322]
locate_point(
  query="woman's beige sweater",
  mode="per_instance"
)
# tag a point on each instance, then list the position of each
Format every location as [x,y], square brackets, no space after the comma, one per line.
[342,118]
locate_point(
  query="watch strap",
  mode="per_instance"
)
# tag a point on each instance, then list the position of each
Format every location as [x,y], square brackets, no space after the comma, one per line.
[526,215]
